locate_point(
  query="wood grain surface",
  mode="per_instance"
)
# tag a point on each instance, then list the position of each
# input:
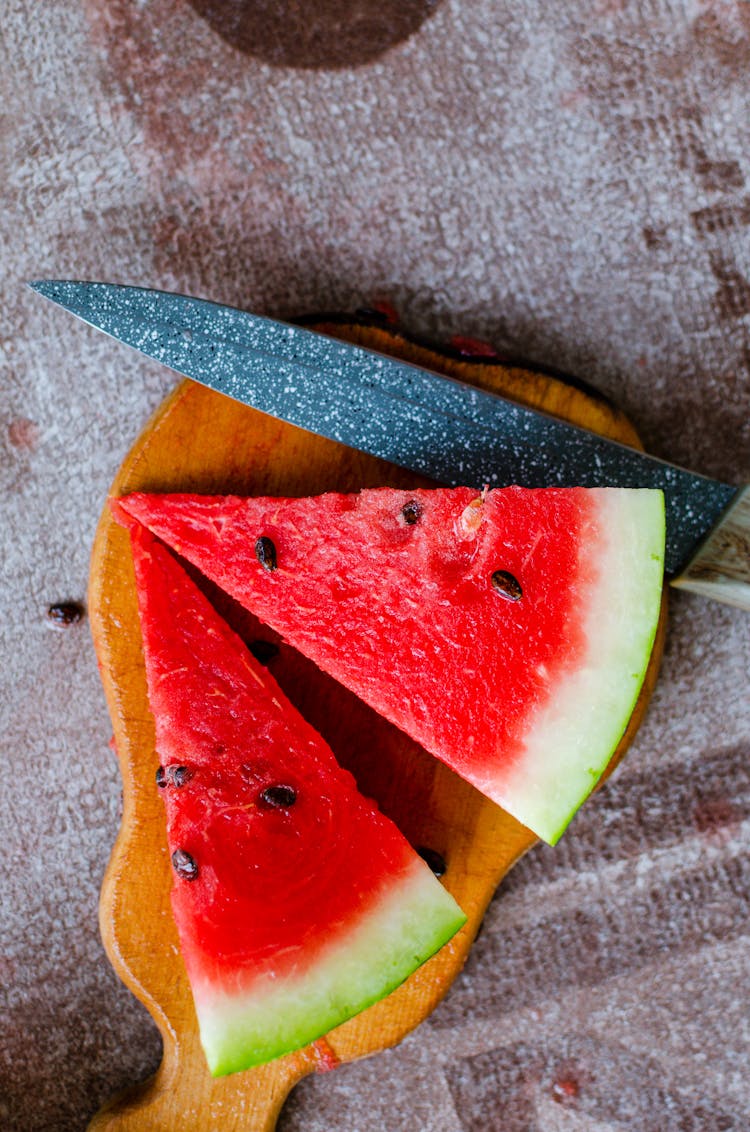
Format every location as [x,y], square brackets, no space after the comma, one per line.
[201,441]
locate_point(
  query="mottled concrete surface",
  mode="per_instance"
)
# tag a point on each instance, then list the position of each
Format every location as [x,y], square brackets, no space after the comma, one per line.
[569,181]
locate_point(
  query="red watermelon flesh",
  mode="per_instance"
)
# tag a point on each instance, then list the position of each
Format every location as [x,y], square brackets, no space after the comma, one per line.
[297,902]
[508,632]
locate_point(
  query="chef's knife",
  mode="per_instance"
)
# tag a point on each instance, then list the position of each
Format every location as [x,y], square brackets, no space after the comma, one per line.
[435,425]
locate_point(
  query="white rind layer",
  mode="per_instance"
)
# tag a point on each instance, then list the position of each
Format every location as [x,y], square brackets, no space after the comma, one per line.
[265,1018]
[572,738]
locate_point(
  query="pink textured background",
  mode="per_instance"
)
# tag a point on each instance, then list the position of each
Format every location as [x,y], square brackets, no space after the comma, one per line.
[569,181]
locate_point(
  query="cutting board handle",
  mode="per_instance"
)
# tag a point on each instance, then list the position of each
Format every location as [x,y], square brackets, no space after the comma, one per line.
[720,569]
[177,1101]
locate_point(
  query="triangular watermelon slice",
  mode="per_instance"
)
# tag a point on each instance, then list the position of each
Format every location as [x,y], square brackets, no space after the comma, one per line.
[508,632]
[297,902]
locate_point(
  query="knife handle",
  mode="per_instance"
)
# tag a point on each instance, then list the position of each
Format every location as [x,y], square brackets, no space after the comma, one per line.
[720,568]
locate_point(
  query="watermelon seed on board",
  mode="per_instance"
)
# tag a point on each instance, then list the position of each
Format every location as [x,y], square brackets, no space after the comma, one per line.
[184,865]
[280,797]
[265,552]
[506,585]
[179,775]
[435,860]
[411,512]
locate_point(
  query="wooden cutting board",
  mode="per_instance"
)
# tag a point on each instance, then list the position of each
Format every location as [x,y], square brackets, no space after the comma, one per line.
[201,441]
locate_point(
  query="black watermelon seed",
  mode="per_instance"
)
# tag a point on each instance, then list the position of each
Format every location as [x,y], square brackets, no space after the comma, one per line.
[279,796]
[263,651]
[184,865]
[506,585]
[265,552]
[411,512]
[161,778]
[63,614]
[179,775]
[434,859]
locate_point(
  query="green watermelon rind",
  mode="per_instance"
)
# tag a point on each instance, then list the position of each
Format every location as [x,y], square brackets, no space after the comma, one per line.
[404,928]
[602,692]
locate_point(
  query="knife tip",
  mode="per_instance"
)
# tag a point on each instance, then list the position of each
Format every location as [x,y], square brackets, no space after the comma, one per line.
[68,293]
[44,287]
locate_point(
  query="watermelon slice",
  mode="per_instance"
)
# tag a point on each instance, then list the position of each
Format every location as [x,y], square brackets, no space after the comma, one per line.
[297,902]
[508,632]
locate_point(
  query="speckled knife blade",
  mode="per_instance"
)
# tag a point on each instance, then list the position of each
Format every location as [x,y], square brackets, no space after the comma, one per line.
[435,425]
